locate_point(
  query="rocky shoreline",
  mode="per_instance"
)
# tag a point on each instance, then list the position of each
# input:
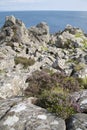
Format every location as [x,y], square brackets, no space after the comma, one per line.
[48,70]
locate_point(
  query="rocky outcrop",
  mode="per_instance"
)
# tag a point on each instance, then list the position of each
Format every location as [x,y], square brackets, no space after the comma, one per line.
[21,114]
[14,30]
[23,52]
[64,52]
[40,33]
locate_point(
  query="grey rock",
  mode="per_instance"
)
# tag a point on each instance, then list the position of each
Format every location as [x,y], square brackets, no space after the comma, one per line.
[15,30]
[77,122]
[21,114]
[85,57]
[40,33]
[59,64]
[10,20]
[72,30]
[80,98]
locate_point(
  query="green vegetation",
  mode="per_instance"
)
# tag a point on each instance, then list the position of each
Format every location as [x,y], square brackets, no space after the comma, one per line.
[67,43]
[43,48]
[16,37]
[52,91]
[79,66]
[78,34]
[2,71]
[84,42]
[57,103]
[24,61]
[72,61]
[83,82]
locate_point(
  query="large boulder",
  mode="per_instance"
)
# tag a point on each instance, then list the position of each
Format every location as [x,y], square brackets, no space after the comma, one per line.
[12,83]
[40,33]
[14,30]
[21,114]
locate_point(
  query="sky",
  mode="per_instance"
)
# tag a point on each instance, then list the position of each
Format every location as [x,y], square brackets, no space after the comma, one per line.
[18,5]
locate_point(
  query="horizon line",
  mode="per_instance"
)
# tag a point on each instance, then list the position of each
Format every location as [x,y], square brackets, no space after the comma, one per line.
[39,10]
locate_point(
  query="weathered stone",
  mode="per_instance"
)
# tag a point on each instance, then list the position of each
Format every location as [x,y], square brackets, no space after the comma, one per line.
[77,122]
[80,98]
[59,64]
[10,20]
[40,33]
[21,115]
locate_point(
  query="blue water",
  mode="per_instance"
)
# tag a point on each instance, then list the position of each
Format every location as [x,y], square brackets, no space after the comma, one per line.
[57,20]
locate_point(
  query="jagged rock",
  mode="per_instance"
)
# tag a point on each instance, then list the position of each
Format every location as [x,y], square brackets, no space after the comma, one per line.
[77,122]
[40,33]
[72,30]
[11,84]
[9,21]
[15,30]
[21,114]
[59,64]
[80,98]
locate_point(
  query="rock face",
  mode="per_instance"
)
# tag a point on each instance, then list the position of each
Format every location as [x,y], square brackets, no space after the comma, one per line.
[40,33]
[19,114]
[77,122]
[80,98]
[14,30]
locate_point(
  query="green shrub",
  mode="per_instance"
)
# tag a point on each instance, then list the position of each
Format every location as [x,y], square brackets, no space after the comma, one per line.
[41,80]
[79,66]
[38,82]
[67,83]
[52,91]
[83,82]
[59,104]
[24,61]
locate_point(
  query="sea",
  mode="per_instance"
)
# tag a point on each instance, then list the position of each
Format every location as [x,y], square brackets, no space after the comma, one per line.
[57,20]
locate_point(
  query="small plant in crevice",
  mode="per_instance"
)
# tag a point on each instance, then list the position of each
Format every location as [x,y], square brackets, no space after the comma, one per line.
[83,82]
[24,61]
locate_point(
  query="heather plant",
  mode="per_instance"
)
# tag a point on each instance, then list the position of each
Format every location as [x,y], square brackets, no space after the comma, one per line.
[52,91]
[41,80]
[67,83]
[58,103]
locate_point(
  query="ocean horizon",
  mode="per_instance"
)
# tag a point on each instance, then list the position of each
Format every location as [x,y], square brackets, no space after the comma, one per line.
[56,20]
